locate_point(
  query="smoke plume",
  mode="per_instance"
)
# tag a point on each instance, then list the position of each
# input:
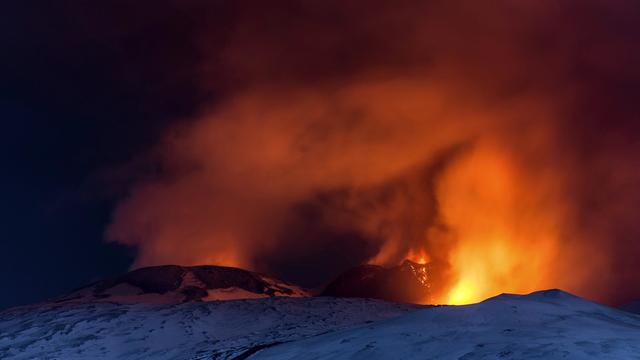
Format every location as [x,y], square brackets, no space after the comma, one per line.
[497,139]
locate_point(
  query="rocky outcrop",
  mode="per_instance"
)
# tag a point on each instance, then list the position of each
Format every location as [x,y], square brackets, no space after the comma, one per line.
[175,284]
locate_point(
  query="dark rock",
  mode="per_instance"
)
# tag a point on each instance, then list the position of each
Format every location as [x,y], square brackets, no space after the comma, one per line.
[182,284]
[409,282]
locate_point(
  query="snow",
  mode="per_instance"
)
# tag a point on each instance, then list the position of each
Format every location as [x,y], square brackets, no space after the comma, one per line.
[190,279]
[280,286]
[189,287]
[194,330]
[543,325]
[232,293]
[129,294]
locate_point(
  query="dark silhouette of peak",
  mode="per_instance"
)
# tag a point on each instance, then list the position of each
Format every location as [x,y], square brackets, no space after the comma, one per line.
[408,282]
[172,284]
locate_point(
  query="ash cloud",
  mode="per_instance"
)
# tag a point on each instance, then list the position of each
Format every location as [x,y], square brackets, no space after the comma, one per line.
[351,132]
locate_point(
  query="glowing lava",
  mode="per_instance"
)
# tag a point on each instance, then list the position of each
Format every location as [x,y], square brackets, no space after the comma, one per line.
[463,293]
[505,239]
[419,256]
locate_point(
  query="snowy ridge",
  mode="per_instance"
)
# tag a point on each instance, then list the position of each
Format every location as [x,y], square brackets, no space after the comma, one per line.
[543,325]
[195,330]
[548,324]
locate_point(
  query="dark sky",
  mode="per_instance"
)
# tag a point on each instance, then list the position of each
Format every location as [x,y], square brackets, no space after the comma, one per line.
[83,90]
[88,89]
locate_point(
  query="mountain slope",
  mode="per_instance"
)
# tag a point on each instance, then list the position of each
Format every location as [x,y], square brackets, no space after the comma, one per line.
[544,325]
[174,312]
[193,330]
[175,284]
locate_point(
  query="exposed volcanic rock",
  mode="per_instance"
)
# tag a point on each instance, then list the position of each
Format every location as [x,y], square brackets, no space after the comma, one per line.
[409,283]
[175,284]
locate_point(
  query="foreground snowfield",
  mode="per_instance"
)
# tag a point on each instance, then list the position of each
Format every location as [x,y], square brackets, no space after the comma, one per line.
[195,330]
[543,325]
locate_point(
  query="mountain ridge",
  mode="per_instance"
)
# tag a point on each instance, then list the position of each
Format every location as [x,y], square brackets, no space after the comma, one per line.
[176,284]
[549,324]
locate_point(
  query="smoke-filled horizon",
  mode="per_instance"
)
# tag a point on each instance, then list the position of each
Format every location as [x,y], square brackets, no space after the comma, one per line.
[497,141]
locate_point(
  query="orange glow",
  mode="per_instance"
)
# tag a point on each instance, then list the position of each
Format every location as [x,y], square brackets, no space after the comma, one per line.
[464,292]
[497,218]
[454,147]
[419,256]
[506,235]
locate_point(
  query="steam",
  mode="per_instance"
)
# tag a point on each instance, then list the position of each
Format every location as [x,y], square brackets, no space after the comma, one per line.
[355,134]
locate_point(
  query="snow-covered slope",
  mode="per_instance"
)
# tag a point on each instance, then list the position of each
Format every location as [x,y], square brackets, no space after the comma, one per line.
[544,325]
[175,284]
[193,330]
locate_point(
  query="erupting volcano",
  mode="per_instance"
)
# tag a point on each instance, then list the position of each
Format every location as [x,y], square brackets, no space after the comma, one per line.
[336,179]
[492,212]
[486,147]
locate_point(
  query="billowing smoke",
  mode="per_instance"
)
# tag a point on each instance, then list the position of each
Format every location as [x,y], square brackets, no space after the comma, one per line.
[497,140]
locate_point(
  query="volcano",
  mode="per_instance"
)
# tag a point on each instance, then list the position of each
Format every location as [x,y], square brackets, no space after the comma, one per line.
[409,282]
[177,284]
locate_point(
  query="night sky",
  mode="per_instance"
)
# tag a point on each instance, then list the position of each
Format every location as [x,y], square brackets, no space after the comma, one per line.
[107,108]
[85,88]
